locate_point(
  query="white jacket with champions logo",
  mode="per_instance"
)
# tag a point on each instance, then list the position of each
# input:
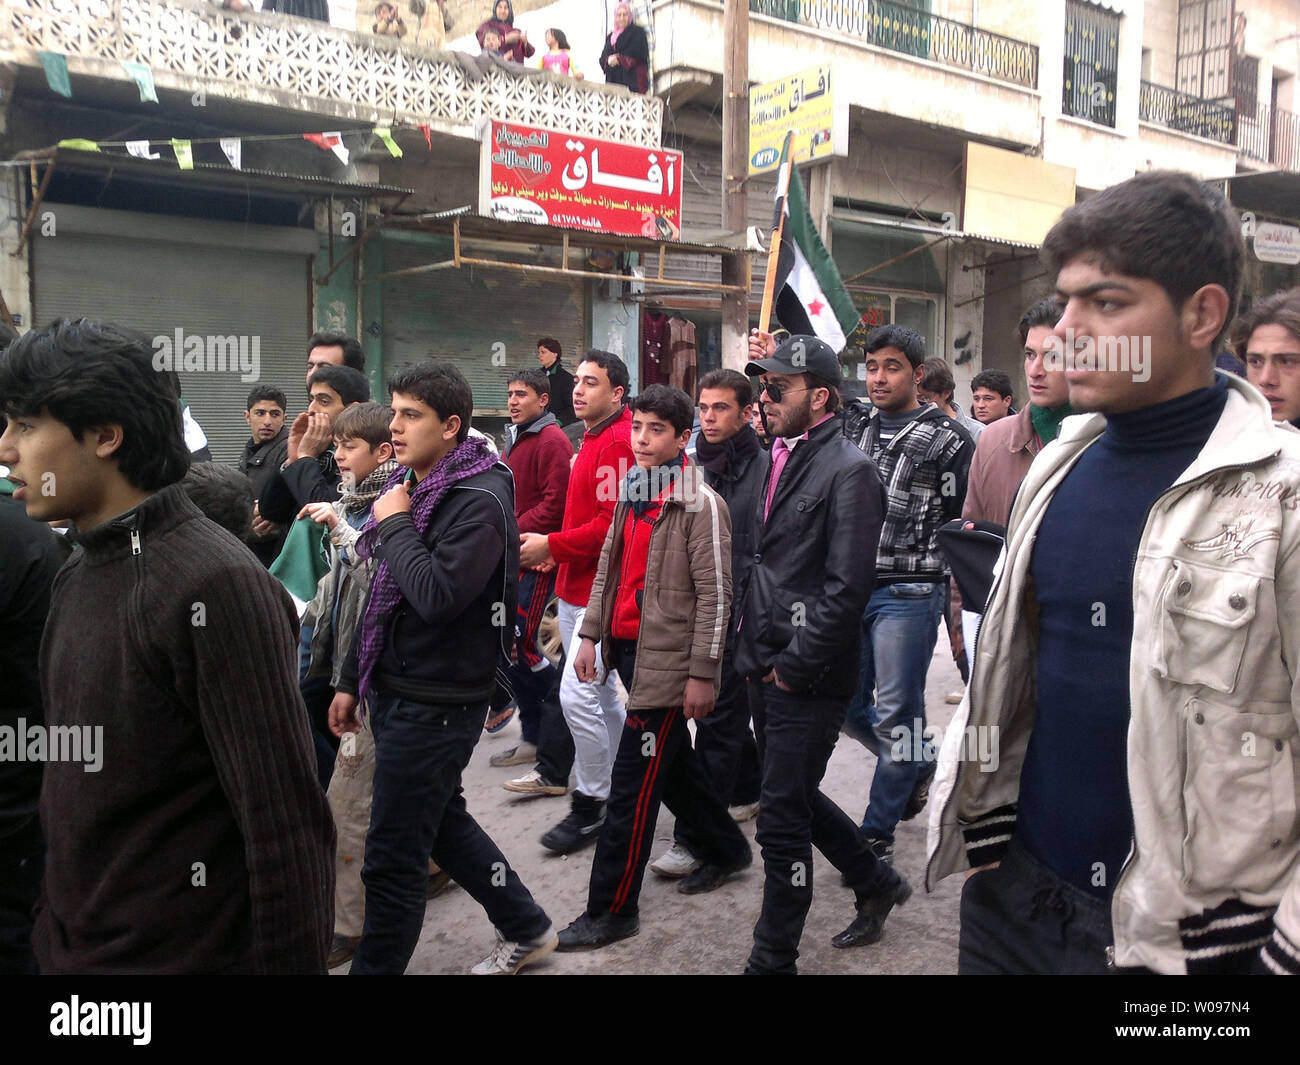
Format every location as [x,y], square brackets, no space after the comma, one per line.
[1214,682]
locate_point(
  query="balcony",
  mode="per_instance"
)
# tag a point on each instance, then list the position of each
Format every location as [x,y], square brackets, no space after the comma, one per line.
[305,66]
[1187,114]
[894,61]
[905,29]
[1270,137]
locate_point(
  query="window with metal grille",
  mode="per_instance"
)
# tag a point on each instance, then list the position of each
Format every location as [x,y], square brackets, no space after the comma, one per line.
[1091,62]
[1245,85]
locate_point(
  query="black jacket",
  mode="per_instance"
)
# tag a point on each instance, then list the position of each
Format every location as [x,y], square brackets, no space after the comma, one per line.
[29,559]
[813,569]
[561,402]
[261,459]
[457,613]
[739,480]
[259,462]
[634,44]
[306,481]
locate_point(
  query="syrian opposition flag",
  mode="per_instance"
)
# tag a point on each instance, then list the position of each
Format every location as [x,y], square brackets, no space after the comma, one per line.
[809,297]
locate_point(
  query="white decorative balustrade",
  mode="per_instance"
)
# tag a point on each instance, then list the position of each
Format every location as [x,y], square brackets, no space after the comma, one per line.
[312,66]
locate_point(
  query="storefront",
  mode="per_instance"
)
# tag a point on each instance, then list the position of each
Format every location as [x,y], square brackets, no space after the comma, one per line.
[896,273]
[1269,205]
[480,291]
[228,304]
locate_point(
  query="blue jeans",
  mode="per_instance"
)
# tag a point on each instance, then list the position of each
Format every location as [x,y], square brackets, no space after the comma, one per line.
[419,810]
[901,624]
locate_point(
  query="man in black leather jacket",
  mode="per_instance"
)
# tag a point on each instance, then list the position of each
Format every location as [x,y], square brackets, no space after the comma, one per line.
[814,531]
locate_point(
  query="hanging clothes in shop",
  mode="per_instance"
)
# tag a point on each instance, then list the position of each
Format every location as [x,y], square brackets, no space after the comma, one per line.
[654,348]
[682,360]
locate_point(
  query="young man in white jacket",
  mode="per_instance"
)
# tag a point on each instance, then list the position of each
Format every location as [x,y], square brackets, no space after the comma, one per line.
[1123,772]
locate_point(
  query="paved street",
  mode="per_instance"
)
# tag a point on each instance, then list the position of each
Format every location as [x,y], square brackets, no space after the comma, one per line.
[700,934]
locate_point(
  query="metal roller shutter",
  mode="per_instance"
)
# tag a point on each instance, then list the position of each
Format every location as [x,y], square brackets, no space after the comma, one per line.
[702,212]
[208,279]
[486,321]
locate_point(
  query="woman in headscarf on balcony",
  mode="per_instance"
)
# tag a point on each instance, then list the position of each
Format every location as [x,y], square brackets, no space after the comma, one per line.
[514,43]
[626,58]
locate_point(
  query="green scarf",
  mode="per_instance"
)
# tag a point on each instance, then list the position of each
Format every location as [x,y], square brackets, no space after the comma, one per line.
[1047,422]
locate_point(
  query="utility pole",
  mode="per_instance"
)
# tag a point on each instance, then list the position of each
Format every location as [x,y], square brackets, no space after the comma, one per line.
[735,168]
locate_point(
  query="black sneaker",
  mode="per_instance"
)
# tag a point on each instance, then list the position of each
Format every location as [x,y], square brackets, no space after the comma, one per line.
[578,830]
[711,876]
[920,793]
[589,933]
[869,925]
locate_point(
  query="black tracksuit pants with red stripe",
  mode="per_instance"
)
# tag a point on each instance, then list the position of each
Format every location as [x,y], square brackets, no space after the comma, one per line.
[655,763]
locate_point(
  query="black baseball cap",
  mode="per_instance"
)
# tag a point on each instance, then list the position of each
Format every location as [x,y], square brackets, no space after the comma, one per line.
[800,354]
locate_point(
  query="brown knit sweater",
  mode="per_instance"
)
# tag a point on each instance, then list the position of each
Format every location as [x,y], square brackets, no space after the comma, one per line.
[204,843]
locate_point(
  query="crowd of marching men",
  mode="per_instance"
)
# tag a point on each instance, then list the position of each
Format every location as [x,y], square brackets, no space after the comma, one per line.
[209,767]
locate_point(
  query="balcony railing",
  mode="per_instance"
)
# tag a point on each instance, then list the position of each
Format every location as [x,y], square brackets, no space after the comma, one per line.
[902,28]
[1272,137]
[1187,114]
[191,44]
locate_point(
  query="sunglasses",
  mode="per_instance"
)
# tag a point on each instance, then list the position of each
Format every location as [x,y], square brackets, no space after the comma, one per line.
[775,390]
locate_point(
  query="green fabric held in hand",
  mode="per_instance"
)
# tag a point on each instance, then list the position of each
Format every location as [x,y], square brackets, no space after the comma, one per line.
[303,560]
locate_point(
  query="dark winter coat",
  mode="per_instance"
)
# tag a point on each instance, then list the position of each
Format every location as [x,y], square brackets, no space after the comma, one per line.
[813,566]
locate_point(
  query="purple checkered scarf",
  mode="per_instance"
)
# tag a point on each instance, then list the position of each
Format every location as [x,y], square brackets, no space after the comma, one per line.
[463,461]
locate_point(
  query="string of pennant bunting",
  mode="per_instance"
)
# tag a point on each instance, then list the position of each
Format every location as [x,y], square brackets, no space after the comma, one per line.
[55,66]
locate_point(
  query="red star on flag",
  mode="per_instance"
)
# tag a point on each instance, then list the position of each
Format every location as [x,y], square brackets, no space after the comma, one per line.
[816,307]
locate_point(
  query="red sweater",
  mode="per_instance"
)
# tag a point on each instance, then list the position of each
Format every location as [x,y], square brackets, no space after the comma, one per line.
[602,463]
[540,459]
[626,623]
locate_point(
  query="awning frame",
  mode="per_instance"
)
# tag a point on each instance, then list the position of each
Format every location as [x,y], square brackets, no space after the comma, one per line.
[470,229]
[203,175]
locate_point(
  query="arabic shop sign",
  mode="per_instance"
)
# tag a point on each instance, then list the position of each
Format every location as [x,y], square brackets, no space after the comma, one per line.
[804,103]
[565,179]
[1276,243]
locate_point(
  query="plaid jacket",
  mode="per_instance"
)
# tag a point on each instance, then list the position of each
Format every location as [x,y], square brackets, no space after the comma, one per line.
[923,469]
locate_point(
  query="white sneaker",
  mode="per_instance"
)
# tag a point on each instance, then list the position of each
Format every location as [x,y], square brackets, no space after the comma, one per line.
[534,784]
[675,862]
[508,958]
[744,812]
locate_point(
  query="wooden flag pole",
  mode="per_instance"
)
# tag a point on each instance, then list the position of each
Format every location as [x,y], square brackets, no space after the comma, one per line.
[774,245]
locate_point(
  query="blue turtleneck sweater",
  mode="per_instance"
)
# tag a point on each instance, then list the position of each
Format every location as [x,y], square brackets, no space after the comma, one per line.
[1074,811]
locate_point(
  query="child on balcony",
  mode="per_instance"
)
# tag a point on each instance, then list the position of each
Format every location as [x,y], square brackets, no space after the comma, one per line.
[558,60]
